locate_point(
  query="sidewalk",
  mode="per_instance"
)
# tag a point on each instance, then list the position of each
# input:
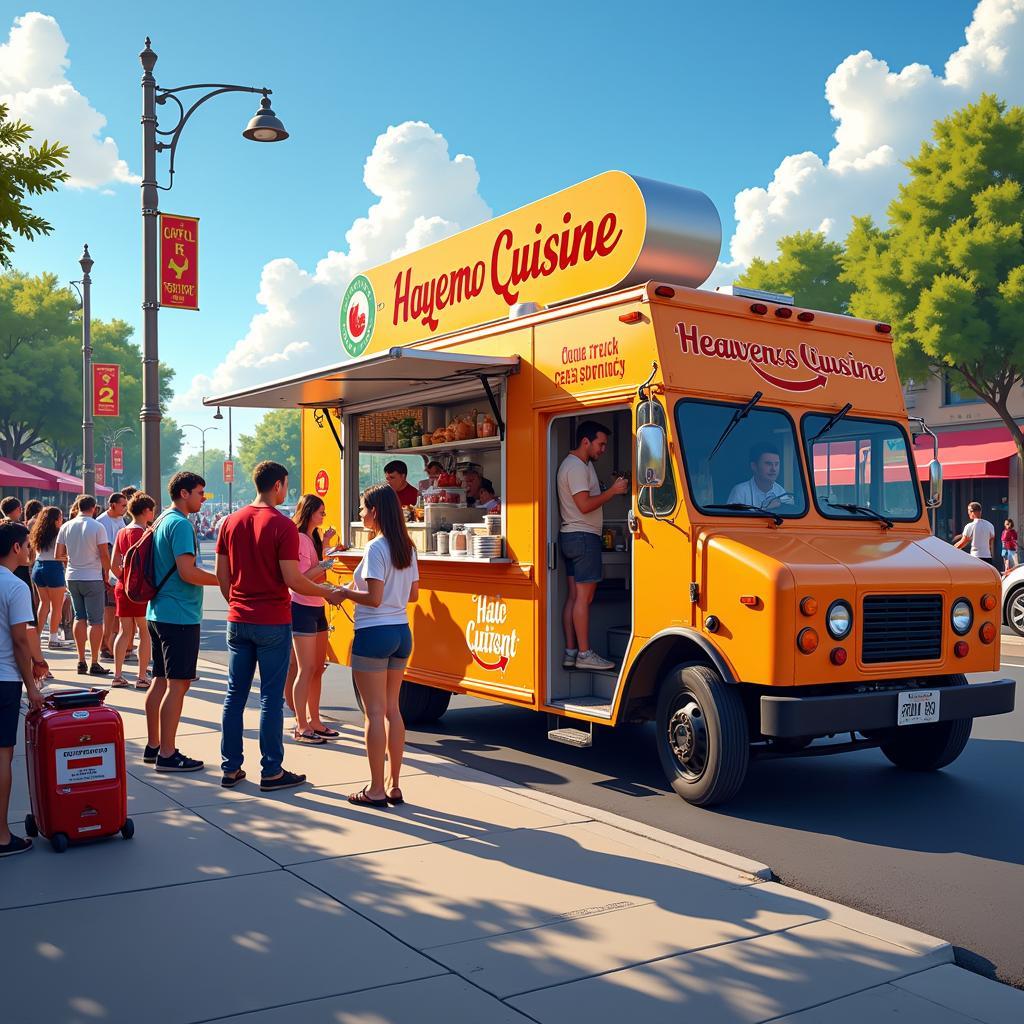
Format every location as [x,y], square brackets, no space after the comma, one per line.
[477,901]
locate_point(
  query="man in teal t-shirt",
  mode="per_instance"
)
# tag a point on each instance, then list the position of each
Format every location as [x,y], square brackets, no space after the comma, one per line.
[174,616]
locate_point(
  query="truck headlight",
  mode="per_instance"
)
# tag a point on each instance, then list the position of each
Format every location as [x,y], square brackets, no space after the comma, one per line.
[839,620]
[961,616]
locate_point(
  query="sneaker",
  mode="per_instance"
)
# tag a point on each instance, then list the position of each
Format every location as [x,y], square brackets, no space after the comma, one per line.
[83,669]
[286,780]
[56,644]
[96,670]
[177,762]
[16,845]
[590,661]
[150,754]
[569,659]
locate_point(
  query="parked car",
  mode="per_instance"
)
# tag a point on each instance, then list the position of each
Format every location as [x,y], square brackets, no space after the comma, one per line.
[1013,600]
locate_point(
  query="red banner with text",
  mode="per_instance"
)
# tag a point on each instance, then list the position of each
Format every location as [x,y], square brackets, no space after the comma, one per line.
[179,261]
[101,474]
[106,389]
[229,471]
[116,460]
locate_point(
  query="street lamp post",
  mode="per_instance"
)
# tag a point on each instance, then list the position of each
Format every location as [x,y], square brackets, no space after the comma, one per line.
[264,126]
[109,443]
[88,447]
[202,430]
[218,415]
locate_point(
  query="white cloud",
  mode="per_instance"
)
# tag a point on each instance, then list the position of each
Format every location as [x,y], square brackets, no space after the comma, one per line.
[34,85]
[423,195]
[882,117]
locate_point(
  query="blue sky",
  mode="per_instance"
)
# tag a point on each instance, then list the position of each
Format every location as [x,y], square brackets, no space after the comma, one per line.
[541,95]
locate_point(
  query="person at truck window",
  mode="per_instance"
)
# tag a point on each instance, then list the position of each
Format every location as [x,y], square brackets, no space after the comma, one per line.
[434,470]
[763,489]
[487,500]
[580,501]
[396,474]
[471,480]
[978,533]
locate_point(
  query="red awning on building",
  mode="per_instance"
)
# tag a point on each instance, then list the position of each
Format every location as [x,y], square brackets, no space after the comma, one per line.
[18,474]
[45,479]
[969,454]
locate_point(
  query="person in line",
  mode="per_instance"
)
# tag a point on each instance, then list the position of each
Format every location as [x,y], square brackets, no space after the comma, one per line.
[112,520]
[19,667]
[763,489]
[979,534]
[257,565]
[174,618]
[129,492]
[48,574]
[434,470]
[471,480]
[82,546]
[1009,545]
[12,509]
[131,615]
[487,499]
[309,627]
[385,582]
[396,473]
[32,508]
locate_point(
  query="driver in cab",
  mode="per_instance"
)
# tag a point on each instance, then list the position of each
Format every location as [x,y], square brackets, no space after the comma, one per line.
[763,489]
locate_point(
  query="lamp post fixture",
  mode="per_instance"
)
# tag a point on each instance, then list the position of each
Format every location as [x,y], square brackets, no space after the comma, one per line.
[202,430]
[110,441]
[88,448]
[264,126]
[218,415]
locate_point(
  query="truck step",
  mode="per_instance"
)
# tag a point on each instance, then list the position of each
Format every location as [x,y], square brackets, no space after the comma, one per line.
[572,737]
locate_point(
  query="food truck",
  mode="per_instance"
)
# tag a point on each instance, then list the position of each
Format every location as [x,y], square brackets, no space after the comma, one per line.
[769,578]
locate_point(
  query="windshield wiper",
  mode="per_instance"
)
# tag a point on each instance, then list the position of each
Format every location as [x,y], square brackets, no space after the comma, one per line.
[739,506]
[863,508]
[832,421]
[738,415]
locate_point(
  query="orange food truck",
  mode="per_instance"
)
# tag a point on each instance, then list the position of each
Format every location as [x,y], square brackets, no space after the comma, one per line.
[769,578]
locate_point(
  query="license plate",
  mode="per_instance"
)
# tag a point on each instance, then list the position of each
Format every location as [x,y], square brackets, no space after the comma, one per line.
[915,707]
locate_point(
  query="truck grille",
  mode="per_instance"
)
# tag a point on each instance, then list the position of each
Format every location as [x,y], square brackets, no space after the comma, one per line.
[902,627]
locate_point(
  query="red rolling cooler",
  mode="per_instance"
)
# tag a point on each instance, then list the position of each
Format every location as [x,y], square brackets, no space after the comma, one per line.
[76,776]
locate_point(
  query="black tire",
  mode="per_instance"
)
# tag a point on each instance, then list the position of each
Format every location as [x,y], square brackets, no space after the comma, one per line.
[31,828]
[437,704]
[128,829]
[927,748]
[702,736]
[59,842]
[1013,614]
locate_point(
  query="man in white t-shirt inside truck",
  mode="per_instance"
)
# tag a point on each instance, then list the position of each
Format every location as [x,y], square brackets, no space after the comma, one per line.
[763,489]
[580,500]
[979,533]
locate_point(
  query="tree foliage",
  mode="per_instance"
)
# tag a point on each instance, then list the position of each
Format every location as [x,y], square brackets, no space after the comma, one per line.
[277,437]
[24,170]
[808,267]
[948,270]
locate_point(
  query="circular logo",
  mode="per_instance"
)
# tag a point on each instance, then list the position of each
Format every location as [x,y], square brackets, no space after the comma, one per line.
[358,311]
[79,714]
[322,483]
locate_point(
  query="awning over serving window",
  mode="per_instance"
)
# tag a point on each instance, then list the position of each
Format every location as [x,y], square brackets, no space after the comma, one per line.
[371,379]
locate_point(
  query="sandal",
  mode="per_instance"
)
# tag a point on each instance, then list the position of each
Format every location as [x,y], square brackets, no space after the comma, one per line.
[363,799]
[230,781]
[143,684]
[118,682]
[309,737]
[395,797]
[327,733]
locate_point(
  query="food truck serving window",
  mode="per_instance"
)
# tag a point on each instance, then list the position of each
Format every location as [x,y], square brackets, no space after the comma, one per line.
[741,459]
[860,463]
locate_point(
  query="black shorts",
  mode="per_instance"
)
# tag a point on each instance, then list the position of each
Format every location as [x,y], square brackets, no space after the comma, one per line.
[175,650]
[308,620]
[10,705]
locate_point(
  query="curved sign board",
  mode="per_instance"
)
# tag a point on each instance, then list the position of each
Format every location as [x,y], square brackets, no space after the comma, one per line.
[611,231]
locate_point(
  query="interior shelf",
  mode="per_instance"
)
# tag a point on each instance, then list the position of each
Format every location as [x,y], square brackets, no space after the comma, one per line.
[476,444]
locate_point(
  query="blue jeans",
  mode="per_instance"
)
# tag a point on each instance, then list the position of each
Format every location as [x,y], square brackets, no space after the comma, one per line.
[269,647]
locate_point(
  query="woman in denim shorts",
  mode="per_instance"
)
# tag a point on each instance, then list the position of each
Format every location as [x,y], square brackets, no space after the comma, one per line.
[48,573]
[385,582]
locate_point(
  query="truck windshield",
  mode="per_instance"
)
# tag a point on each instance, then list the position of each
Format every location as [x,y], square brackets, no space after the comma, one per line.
[756,468]
[863,465]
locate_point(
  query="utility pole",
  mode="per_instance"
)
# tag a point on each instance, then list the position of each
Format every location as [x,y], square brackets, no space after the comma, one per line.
[88,448]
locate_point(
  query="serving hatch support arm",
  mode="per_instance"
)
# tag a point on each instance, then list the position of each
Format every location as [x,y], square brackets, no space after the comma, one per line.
[326,413]
[494,406]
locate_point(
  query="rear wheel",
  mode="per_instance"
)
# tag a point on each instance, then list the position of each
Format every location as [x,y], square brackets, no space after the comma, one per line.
[926,748]
[31,828]
[702,736]
[1015,611]
[128,829]
[59,842]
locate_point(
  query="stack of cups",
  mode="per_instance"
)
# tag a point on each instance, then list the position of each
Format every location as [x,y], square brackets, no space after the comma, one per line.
[493,524]
[442,542]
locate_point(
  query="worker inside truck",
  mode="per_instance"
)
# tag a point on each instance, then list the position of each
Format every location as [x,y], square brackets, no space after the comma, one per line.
[763,489]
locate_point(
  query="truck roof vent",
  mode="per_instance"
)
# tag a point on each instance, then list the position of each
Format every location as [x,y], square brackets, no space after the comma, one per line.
[754,293]
[524,309]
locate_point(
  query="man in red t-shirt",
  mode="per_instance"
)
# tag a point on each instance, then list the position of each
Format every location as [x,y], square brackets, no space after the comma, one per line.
[396,473]
[257,563]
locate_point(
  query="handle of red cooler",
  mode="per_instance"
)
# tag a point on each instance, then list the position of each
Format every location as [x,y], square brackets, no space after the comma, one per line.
[62,700]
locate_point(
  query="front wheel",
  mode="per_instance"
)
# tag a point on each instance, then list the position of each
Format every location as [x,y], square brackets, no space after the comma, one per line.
[1015,611]
[31,828]
[128,829]
[926,748]
[59,842]
[703,741]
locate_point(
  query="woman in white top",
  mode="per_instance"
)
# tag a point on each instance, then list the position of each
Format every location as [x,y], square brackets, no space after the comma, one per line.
[385,582]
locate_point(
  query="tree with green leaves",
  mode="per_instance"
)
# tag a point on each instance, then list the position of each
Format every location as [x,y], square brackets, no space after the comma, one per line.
[213,475]
[948,270]
[24,171]
[808,267]
[277,437]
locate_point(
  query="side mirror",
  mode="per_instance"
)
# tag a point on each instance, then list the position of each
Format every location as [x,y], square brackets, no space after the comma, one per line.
[934,483]
[651,455]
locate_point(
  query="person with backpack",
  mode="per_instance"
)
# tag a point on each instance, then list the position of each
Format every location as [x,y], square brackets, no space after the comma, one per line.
[174,618]
[131,614]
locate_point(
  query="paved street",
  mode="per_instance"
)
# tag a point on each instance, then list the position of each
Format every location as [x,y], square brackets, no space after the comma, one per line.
[943,853]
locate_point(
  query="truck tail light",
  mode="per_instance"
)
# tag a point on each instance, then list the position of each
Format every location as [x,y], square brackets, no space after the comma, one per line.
[664,291]
[783,312]
[805,317]
[808,606]
[961,648]
[883,328]
[759,308]
[988,601]
[837,656]
[807,640]
[987,632]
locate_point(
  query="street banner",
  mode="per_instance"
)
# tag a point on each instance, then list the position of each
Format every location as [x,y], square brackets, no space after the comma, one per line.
[106,389]
[179,261]
[116,460]
[229,471]
[101,474]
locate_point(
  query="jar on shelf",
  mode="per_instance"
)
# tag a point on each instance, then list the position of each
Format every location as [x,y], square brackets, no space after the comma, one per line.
[459,541]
